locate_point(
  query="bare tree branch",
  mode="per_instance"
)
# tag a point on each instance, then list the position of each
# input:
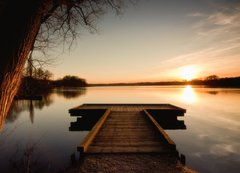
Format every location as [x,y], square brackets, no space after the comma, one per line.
[63,20]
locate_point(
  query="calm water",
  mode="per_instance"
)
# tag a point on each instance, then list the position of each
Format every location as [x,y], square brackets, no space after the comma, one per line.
[36,133]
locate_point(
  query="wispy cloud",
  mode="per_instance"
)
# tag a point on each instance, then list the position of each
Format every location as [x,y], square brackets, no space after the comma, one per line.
[224,149]
[218,33]
[222,60]
[224,22]
[221,18]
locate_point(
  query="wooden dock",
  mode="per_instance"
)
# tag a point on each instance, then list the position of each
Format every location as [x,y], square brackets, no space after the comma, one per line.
[127,128]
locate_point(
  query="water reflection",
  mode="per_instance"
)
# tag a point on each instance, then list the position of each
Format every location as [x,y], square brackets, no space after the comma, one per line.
[189,95]
[19,106]
[69,93]
[211,141]
[212,92]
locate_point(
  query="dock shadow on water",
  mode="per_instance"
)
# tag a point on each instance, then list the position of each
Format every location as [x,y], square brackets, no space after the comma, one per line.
[127,130]
[86,119]
[167,121]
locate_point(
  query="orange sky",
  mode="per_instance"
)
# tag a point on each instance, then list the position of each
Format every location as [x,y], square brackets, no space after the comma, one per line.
[155,41]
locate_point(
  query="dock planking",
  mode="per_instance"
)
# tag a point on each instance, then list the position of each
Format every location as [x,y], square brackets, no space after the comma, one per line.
[128,107]
[127,128]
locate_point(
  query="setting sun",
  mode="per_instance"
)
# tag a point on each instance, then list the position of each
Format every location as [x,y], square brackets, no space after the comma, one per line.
[188,73]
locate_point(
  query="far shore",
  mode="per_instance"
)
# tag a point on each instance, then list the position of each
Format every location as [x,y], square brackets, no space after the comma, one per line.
[233,82]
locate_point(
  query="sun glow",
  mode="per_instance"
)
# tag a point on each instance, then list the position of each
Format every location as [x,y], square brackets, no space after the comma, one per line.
[189,95]
[188,73]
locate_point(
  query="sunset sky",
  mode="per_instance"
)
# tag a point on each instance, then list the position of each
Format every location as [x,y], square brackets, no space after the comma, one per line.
[158,40]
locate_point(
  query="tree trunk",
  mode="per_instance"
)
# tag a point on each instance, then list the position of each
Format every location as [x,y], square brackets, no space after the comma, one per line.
[20,23]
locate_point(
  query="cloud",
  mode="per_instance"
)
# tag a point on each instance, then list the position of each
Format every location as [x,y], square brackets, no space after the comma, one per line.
[224,149]
[225,22]
[222,60]
[217,41]
[223,19]
[197,14]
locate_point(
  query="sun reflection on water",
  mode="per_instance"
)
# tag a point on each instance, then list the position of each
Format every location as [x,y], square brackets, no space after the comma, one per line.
[189,95]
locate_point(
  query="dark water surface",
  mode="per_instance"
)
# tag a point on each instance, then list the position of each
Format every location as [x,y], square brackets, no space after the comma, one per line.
[36,134]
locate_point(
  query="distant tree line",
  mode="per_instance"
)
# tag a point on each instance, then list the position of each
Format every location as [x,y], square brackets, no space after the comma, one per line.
[212,81]
[40,82]
[140,83]
[216,81]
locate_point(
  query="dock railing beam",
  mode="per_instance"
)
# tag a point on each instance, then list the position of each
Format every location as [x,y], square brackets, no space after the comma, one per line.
[91,135]
[161,130]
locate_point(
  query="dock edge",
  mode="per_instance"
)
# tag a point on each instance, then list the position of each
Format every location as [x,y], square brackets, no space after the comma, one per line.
[90,136]
[161,130]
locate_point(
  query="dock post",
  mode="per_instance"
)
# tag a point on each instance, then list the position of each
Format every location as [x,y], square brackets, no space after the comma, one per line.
[183,159]
[81,151]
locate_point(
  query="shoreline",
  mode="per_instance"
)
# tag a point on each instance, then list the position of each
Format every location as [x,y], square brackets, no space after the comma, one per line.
[131,163]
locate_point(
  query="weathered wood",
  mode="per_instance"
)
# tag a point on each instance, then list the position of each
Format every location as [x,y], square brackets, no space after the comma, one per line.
[131,107]
[85,144]
[128,132]
[168,139]
[127,128]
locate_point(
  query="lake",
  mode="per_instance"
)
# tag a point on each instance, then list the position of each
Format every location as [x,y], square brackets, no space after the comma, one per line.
[36,133]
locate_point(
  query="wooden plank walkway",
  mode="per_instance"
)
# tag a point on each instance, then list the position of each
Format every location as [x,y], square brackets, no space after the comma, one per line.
[129,107]
[128,132]
[127,128]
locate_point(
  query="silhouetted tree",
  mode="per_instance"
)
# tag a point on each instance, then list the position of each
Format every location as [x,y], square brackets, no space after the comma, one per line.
[22,21]
[212,77]
[71,81]
[34,64]
[41,74]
